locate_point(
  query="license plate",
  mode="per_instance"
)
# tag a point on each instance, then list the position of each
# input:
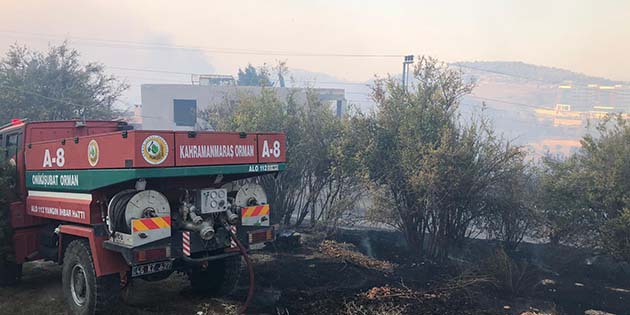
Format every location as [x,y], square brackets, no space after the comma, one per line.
[260,236]
[145,269]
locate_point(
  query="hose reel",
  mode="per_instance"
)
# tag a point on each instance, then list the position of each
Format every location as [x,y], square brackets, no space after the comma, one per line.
[133,204]
[250,194]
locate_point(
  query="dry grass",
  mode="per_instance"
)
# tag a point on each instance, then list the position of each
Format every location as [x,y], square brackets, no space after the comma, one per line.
[511,276]
[355,308]
[387,292]
[38,293]
[349,254]
[208,309]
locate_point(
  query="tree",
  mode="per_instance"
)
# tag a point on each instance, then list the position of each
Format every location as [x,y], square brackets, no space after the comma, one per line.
[512,208]
[54,85]
[586,197]
[431,174]
[615,236]
[605,161]
[251,76]
[316,185]
[566,217]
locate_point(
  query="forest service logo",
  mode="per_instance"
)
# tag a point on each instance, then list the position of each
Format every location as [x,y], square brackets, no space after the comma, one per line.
[93,152]
[154,149]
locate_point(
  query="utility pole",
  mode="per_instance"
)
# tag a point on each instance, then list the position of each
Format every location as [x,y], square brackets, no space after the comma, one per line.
[406,63]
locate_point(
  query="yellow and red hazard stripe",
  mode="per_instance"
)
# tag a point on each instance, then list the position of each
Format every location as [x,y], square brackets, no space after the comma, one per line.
[255,211]
[147,224]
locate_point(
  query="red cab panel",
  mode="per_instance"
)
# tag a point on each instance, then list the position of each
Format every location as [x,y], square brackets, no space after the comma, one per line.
[110,150]
[25,243]
[49,130]
[20,218]
[99,151]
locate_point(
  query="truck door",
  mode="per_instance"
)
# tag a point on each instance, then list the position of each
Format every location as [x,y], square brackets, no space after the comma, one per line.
[13,154]
[11,146]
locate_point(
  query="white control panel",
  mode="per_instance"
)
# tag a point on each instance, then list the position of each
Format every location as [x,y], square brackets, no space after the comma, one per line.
[213,200]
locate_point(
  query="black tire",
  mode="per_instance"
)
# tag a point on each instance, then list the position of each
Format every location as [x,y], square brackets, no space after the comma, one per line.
[10,273]
[84,292]
[219,279]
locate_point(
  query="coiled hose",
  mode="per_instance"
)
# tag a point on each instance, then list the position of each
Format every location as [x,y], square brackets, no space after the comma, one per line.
[117,208]
[250,270]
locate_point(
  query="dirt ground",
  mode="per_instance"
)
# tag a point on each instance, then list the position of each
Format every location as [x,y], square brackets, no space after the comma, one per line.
[361,272]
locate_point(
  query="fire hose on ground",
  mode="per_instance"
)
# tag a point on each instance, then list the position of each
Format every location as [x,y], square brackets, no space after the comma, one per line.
[250,270]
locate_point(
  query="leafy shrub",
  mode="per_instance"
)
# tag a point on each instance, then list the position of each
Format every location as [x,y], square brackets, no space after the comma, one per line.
[7,181]
[433,175]
[584,199]
[616,236]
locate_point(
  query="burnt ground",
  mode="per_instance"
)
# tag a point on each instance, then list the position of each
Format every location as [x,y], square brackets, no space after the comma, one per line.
[371,274]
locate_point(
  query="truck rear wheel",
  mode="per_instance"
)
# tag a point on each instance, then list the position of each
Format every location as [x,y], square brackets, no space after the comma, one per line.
[10,273]
[84,292]
[220,278]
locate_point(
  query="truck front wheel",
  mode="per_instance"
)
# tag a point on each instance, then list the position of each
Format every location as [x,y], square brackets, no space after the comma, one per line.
[84,292]
[219,278]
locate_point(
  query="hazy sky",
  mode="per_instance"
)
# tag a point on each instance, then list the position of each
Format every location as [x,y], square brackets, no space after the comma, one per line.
[592,37]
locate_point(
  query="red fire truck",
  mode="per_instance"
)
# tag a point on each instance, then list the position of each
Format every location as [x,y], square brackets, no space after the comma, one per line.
[111,204]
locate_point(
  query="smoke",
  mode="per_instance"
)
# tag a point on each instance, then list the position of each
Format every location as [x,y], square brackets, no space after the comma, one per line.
[366,246]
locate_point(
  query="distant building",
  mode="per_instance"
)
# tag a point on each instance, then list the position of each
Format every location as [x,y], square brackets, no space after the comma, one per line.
[593,98]
[175,106]
[576,104]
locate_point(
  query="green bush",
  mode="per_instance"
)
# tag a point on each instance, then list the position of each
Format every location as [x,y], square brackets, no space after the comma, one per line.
[7,181]
[433,175]
[616,236]
[584,199]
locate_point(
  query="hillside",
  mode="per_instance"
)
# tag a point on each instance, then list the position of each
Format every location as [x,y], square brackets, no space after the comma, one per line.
[513,93]
[521,70]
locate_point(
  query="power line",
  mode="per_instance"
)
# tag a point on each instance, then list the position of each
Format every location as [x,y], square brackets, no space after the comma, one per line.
[113,43]
[40,95]
[479,98]
[152,70]
[139,79]
[456,64]
[349,100]
[217,50]
[340,83]
[505,102]
[106,42]
[332,82]
[191,73]
[55,99]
